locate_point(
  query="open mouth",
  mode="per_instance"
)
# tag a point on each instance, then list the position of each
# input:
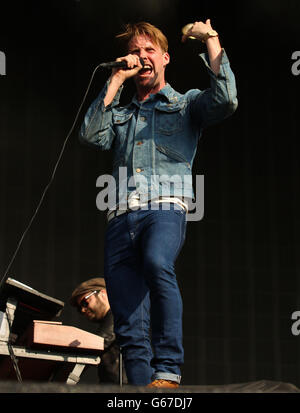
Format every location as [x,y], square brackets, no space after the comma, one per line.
[146,70]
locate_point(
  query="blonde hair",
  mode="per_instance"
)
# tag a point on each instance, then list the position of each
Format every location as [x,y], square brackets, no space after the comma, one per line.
[144,29]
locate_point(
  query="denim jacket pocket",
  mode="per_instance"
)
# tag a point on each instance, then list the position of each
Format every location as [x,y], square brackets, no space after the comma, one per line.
[121,122]
[169,119]
[174,155]
[121,118]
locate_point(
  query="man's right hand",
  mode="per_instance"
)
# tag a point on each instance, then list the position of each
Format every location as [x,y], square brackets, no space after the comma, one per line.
[119,75]
[133,67]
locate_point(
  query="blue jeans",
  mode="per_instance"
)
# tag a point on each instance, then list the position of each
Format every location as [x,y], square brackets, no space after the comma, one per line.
[141,248]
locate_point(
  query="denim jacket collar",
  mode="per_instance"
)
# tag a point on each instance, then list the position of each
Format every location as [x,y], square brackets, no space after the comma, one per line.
[167,92]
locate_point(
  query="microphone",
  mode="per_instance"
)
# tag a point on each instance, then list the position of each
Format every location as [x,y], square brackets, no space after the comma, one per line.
[123,64]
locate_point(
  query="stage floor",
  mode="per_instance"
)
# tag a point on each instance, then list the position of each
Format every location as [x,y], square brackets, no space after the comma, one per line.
[262,386]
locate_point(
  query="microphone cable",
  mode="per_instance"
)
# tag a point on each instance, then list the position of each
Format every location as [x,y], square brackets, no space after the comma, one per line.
[5,276]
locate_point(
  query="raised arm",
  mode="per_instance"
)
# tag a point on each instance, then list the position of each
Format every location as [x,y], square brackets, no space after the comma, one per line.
[97,127]
[205,33]
[220,100]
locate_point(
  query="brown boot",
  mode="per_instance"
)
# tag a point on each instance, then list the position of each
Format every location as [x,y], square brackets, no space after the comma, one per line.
[163,383]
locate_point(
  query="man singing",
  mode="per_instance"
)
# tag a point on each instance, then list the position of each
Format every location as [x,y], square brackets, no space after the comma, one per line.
[155,138]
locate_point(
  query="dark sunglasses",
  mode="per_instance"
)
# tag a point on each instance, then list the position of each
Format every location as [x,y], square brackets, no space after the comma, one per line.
[84,302]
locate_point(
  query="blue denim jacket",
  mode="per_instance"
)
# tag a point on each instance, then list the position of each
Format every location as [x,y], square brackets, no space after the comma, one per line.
[155,141]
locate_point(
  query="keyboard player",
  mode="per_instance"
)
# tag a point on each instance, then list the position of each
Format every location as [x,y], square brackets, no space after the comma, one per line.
[90,299]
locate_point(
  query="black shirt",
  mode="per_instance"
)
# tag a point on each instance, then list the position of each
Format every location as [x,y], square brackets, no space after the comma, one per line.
[108,369]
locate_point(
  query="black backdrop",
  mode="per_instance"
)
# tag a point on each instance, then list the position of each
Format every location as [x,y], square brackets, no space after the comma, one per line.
[239,269]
